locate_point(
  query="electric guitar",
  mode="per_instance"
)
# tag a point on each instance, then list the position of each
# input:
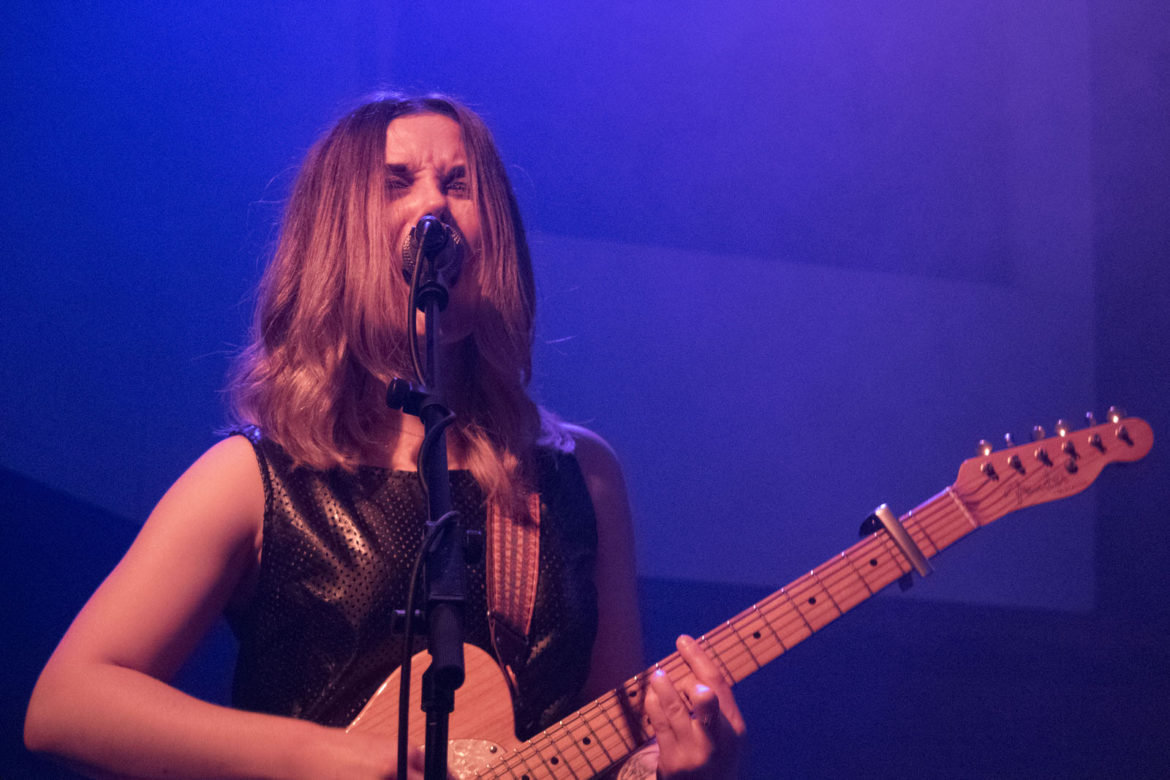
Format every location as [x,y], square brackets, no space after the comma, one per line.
[602,734]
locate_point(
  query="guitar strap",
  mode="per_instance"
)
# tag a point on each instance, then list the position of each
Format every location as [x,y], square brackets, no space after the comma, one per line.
[513,563]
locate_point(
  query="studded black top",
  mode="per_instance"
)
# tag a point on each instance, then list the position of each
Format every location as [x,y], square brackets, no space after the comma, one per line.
[316,637]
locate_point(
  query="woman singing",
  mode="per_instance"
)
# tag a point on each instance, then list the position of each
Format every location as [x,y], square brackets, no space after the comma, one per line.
[302,526]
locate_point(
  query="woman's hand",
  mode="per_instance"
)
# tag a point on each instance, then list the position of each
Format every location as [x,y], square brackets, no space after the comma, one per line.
[701,741]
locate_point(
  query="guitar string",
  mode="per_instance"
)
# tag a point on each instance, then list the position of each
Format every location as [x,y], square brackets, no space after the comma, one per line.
[839,579]
[938,529]
[673,664]
[821,580]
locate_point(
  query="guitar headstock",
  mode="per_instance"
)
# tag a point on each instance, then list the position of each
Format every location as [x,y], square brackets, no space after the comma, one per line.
[995,483]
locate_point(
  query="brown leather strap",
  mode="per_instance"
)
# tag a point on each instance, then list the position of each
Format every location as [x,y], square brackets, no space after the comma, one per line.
[513,565]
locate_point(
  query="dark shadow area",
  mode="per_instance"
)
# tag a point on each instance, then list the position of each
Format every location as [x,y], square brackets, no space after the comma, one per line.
[58,551]
[904,688]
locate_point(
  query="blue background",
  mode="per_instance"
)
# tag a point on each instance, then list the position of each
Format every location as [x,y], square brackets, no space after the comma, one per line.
[794,259]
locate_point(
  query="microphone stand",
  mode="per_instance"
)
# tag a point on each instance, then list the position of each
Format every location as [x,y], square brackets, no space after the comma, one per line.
[445,576]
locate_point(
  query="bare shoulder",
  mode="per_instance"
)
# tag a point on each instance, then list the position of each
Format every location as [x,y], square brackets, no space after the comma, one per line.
[199,543]
[599,463]
[216,507]
[222,492]
[230,466]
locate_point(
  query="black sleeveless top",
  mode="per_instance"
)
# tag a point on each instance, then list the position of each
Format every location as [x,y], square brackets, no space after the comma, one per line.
[316,638]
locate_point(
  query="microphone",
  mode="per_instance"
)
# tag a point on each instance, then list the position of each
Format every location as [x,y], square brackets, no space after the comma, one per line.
[441,243]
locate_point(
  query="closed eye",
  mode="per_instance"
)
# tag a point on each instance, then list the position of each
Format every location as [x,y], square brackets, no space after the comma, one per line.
[457,183]
[397,177]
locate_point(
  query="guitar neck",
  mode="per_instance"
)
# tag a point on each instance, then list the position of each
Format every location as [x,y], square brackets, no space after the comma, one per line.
[765,630]
[614,726]
[988,487]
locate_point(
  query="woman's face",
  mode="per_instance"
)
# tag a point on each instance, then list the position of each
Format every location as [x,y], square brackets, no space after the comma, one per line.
[426,173]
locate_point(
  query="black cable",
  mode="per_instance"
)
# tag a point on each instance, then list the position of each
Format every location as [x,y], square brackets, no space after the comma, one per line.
[430,439]
[412,317]
[429,541]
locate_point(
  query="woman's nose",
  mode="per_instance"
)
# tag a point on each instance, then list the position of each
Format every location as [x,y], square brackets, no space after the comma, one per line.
[432,201]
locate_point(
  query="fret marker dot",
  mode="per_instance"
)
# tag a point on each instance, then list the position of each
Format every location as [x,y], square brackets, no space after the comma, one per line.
[873,561]
[587,741]
[756,635]
[812,599]
[554,760]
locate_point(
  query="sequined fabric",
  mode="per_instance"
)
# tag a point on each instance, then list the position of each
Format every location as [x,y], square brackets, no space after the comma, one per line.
[316,636]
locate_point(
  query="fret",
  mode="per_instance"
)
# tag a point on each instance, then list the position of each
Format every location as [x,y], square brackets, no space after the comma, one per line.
[585,741]
[904,566]
[812,601]
[612,734]
[875,567]
[819,583]
[754,632]
[947,528]
[950,493]
[735,651]
[730,651]
[918,534]
[841,582]
[779,647]
[550,755]
[798,627]
[629,714]
[593,723]
[734,626]
[791,624]
[543,767]
[562,741]
[708,643]
[953,522]
[517,764]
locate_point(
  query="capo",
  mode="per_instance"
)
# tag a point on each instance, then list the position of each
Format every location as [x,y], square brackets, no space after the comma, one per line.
[882,517]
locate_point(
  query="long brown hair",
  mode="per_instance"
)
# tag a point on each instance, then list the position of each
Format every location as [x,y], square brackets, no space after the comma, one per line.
[330,329]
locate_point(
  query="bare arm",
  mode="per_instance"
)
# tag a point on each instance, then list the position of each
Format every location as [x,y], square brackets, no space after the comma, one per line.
[697,741]
[102,702]
[617,652]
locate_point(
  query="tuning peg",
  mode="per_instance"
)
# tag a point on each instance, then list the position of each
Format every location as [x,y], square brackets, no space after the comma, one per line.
[1115,414]
[983,448]
[1061,428]
[1090,420]
[1038,432]
[1008,440]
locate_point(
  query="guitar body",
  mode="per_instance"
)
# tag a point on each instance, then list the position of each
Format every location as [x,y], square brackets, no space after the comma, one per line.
[480,729]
